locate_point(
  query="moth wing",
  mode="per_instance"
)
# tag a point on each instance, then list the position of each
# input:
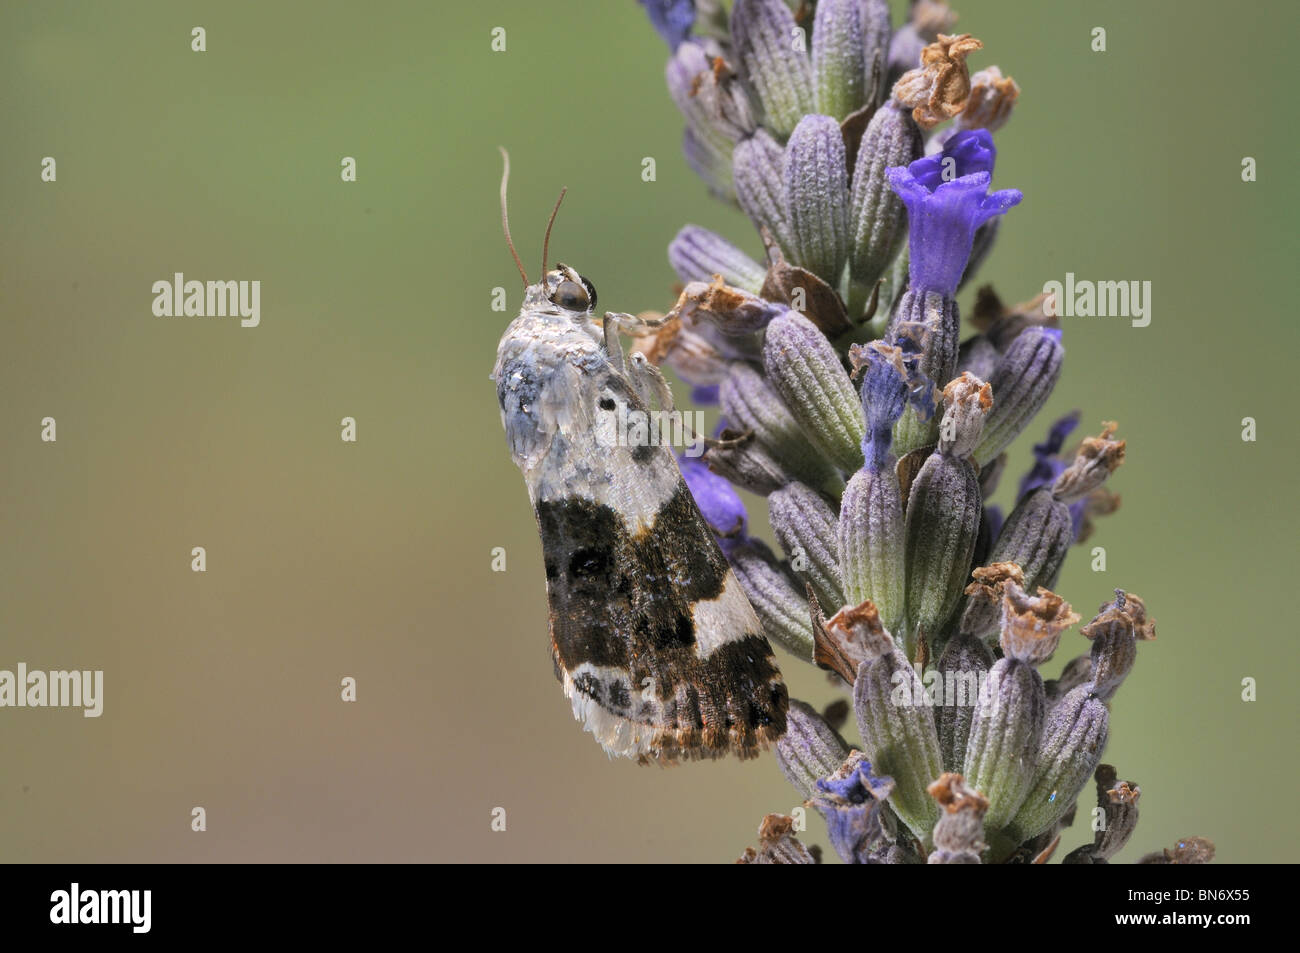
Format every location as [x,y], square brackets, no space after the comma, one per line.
[657,646]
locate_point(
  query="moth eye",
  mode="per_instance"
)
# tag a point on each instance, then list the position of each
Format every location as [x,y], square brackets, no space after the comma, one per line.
[571,296]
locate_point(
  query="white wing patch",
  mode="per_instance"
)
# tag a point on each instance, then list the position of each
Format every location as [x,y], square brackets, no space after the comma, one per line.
[728,618]
[585,458]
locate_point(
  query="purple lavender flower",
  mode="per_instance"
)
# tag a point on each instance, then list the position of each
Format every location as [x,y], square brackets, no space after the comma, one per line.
[719,503]
[892,380]
[851,800]
[1047,462]
[947,199]
[706,395]
[672,19]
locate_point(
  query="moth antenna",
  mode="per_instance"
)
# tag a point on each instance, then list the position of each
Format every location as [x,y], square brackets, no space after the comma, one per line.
[505,219]
[546,242]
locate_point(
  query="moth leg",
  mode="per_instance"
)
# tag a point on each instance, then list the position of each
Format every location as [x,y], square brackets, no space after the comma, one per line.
[647,380]
[613,346]
[636,324]
[739,439]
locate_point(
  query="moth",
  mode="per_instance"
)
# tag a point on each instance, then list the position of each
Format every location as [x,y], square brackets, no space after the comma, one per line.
[652,636]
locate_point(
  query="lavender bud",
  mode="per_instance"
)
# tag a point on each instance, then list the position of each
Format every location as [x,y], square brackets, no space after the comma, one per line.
[1118,801]
[806,526]
[1115,633]
[943,515]
[871,509]
[1036,537]
[978,355]
[962,666]
[1073,738]
[877,216]
[1097,459]
[982,614]
[943,512]
[871,543]
[967,400]
[1004,737]
[898,733]
[877,30]
[806,371]
[839,78]
[991,98]
[1188,850]
[746,464]
[751,403]
[852,636]
[711,163]
[816,189]
[697,254]
[810,749]
[730,311]
[773,594]
[959,832]
[1022,382]
[756,166]
[778,74]
[689,67]
[722,104]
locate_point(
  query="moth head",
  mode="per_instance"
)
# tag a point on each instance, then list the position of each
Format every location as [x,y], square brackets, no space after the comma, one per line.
[562,287]
[569,291]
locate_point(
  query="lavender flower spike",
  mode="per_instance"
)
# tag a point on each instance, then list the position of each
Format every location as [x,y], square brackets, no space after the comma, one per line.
[944,210]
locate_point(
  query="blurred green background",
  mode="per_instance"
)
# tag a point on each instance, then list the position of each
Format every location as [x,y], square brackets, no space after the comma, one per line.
[373,559]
